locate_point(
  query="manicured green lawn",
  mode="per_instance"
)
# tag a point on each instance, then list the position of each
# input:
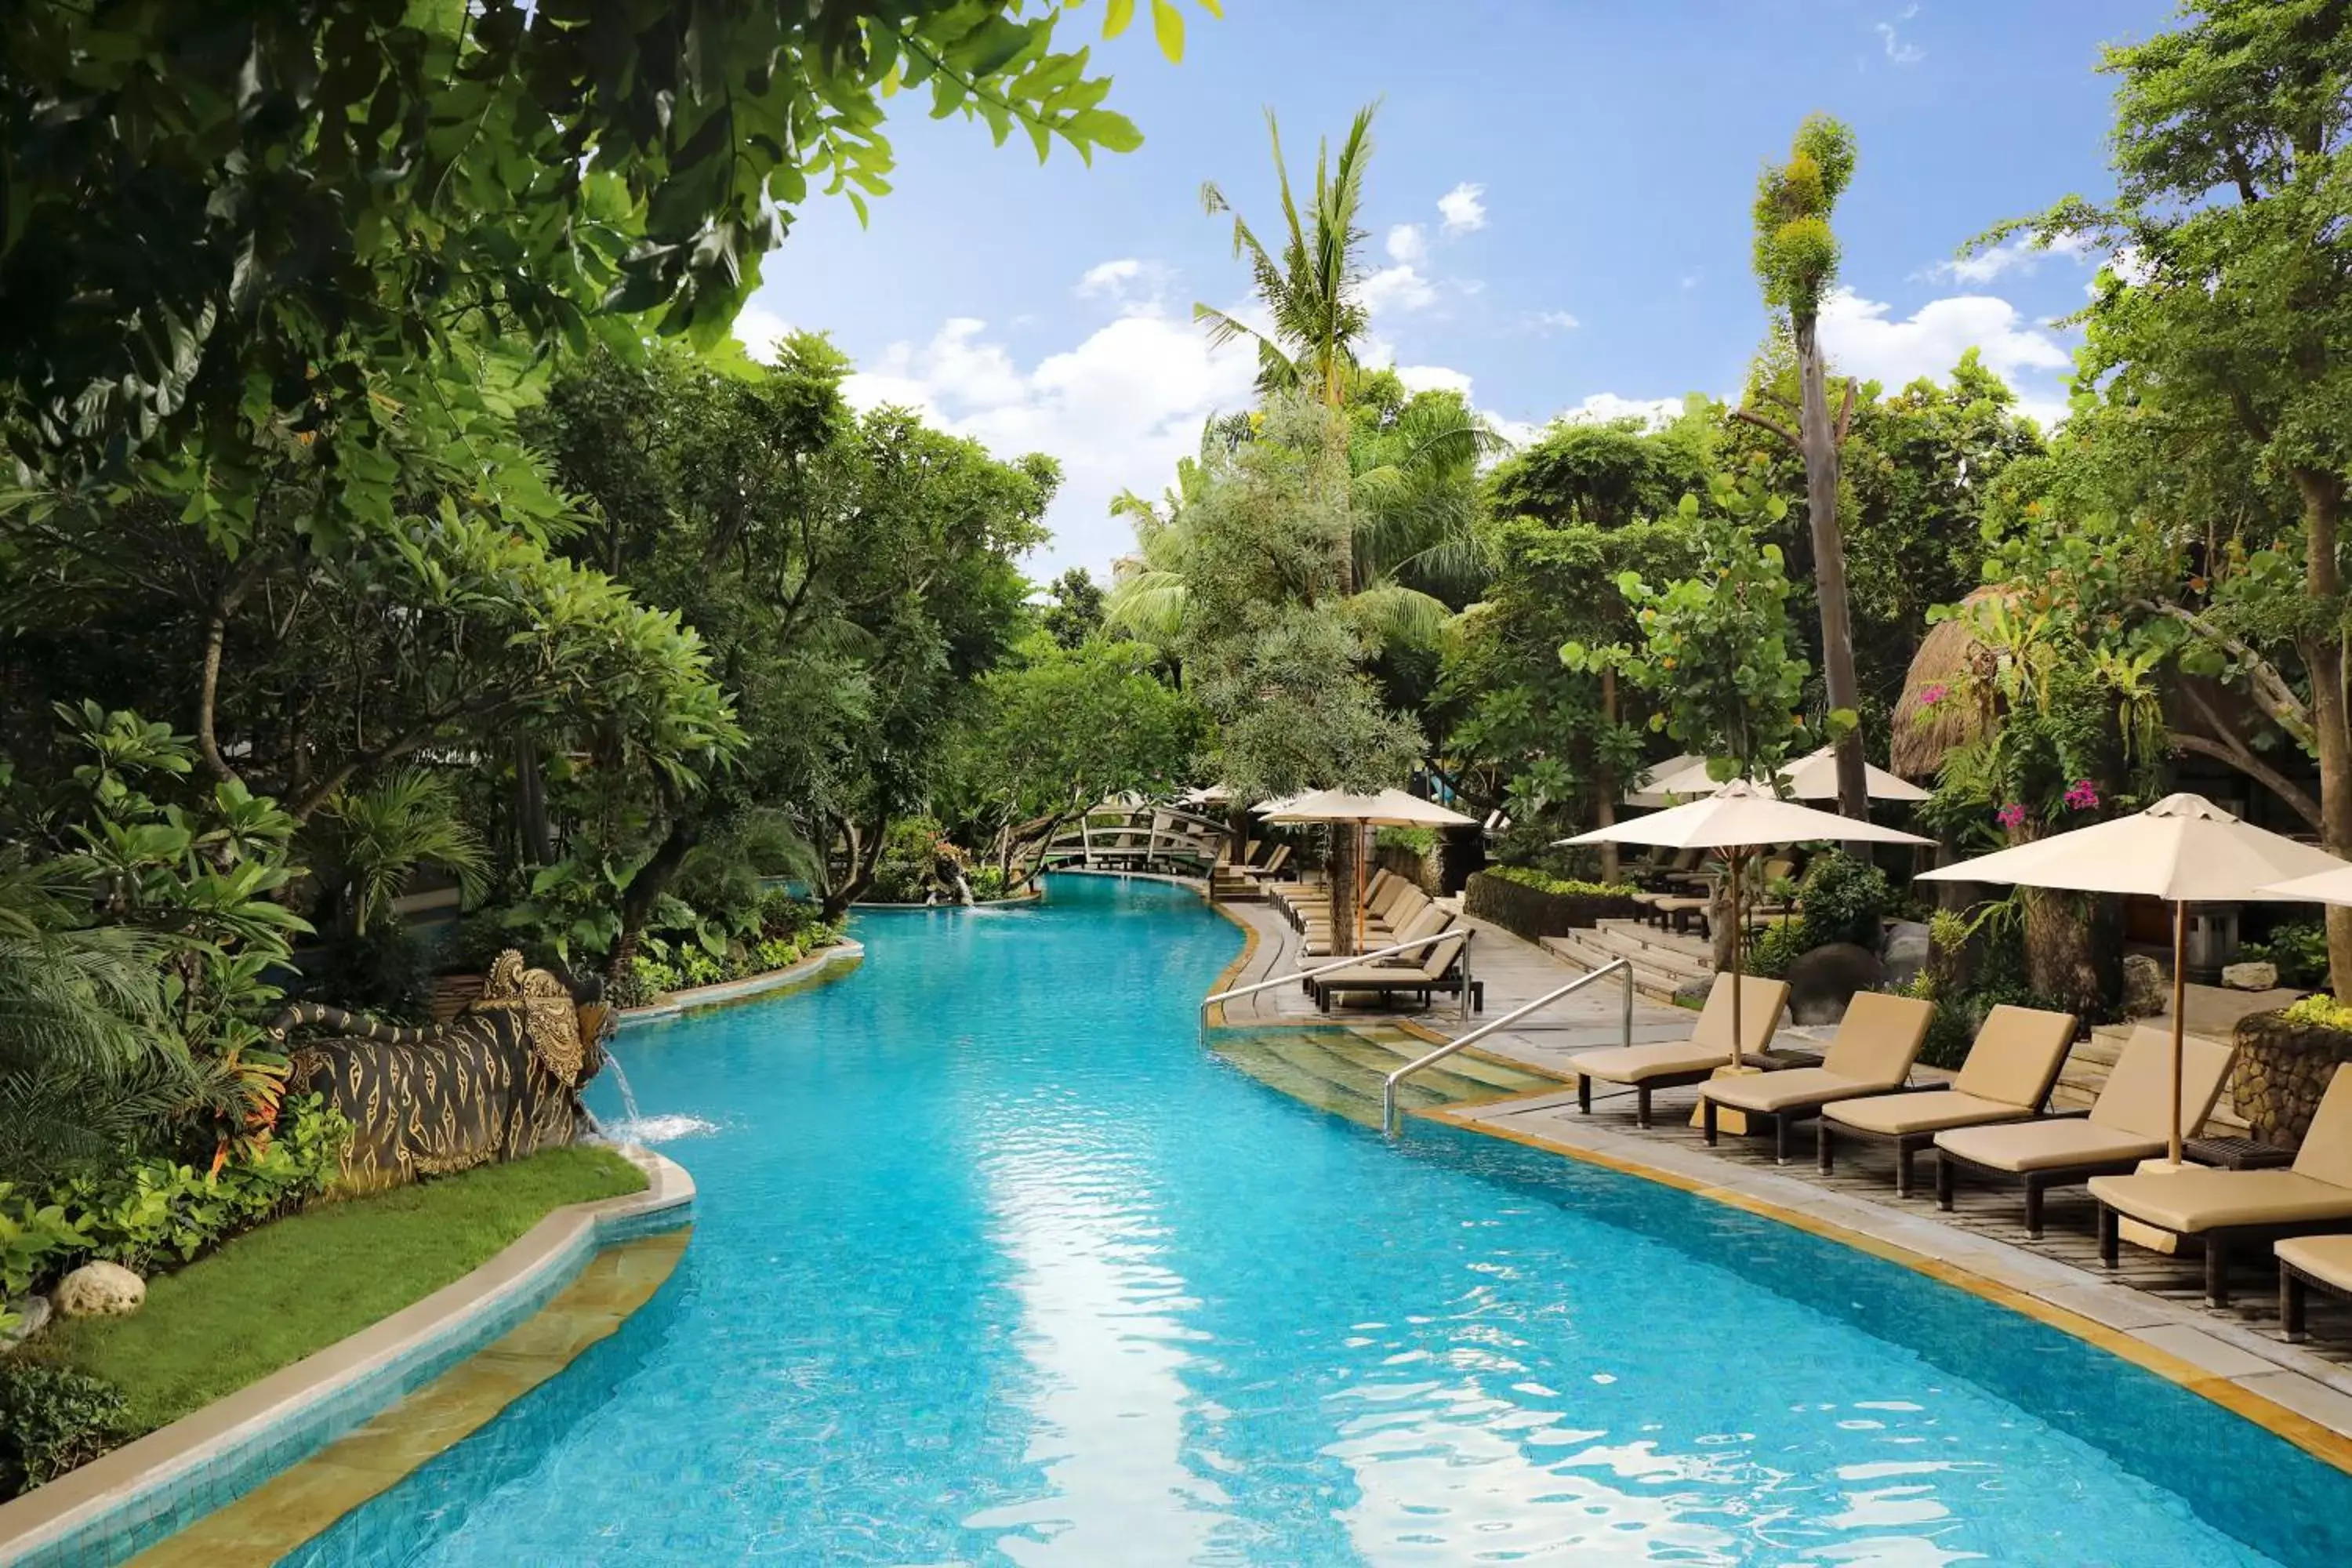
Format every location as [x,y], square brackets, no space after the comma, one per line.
[277,1294]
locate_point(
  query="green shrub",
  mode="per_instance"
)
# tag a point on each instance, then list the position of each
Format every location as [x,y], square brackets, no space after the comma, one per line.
[1844,900]
[2322,1010]
[1420,840]
[384,971]
[2299,948]
[1771,951]
[1545,883]
[52,1419]
[146,1212]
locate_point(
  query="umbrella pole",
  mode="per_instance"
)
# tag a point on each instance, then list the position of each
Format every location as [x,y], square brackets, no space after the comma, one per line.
[2179,1015]
[1737,930]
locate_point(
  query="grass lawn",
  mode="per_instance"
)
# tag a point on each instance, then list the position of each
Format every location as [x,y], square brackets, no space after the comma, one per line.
[274,1295]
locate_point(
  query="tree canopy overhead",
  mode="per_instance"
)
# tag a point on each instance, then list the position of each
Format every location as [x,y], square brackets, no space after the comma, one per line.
[230,214]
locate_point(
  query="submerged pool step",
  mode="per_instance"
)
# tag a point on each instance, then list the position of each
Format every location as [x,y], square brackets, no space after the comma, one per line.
[1341,1069]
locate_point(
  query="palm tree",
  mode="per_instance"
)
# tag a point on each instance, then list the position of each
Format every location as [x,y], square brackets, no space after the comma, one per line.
[373,840]
[1309,294]
[89,1064]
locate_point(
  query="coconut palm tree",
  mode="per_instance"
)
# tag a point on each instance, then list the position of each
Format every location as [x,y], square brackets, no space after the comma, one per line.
[1308,293]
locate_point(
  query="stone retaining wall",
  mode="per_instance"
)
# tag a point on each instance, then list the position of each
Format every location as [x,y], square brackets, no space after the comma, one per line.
[2282,1069]
[1533,914]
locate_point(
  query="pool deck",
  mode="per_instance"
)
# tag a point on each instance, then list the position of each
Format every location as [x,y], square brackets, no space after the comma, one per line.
[2151,1310]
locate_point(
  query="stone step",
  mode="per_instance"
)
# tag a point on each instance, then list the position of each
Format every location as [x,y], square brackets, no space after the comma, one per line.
[1656,984]
[1650,954]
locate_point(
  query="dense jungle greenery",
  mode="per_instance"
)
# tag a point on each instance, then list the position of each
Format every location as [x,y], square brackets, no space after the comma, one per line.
[390,512]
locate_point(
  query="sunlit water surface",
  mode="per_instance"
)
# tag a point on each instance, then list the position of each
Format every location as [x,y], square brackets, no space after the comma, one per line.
[992,1263]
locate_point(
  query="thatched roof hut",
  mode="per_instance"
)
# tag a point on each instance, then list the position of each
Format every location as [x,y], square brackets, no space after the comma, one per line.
[1946,697]
[1946,702]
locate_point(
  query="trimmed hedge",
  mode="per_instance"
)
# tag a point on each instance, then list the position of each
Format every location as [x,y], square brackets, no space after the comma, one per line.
[1531,905]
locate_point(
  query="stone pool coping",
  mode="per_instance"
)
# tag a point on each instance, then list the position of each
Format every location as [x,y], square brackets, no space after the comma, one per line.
[846,952]
[2296,1397]
[124,1501]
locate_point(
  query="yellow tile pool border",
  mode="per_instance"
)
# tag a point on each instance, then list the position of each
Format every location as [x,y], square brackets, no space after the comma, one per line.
[2321,1441]
[305,1500]
[121,1491]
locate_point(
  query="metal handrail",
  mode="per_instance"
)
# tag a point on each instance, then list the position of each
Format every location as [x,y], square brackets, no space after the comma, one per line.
[1461,934]
[1389,1088]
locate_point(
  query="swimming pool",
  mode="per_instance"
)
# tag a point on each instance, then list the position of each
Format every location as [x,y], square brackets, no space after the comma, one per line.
[993,1265]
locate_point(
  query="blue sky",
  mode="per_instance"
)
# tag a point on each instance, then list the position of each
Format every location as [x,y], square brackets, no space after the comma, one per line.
[1558,207]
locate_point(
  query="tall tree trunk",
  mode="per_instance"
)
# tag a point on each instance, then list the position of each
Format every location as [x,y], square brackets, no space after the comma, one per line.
[1819,444]
[2331,722]
[1343,889]
[863,842]
[645,890]
[531,805]
[1604,806]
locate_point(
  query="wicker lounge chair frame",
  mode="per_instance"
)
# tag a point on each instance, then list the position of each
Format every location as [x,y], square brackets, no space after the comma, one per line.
[1907,1144]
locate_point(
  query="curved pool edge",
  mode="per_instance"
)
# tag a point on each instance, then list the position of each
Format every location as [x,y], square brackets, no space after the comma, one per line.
[1757,1192]
[127,1501]
[825,963]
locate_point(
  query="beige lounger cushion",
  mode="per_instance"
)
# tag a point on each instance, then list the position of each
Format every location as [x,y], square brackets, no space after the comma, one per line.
[2011,1064]
[2193,1199]
[2046,1146]
[2016,1056]
[2327,1258]
[1872,1050]
[1636,1064]
[2318,1188]
[2127,1121]
[1893,1115]
[1761,1003]
[2138,1096]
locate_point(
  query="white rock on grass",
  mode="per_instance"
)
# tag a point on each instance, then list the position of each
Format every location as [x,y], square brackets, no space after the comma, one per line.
[98,1289]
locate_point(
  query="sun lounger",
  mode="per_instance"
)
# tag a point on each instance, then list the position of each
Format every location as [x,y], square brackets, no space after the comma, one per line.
[1874,1049]
[1274,864]
[1310,907]
[1439,970]
[2223,1210]
[1647,1069]
[2322,1260]
[2126,1125]
[1428,921]
[1379,931]
[2011,1070]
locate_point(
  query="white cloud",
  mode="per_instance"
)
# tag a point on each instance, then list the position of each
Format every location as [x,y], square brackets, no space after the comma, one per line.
[1598,408]
[1863,339]
[758,330]
[2021,254]
[1554,321]
[1901,53]
[1433,378]
[1129,283]
[1118,409]
[1463,209]
[1398,288]
[1408,244]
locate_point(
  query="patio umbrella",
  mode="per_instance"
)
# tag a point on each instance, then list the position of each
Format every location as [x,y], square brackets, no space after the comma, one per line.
[1811,777]
[2183,849]
[1389,808]
[1737,817]
[1646,790]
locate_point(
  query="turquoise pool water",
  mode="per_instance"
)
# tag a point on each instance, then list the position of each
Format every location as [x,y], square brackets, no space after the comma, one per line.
[993,1265]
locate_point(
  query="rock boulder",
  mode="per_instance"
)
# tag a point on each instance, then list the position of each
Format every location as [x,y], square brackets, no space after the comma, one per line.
[100,1289]
[2147,989]
[1905,951]
[1821,983]
[32,1317]
[2249,976]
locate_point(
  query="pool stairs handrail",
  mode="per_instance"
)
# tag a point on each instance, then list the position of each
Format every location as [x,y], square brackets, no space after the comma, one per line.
[1461,934]
[1390,1121]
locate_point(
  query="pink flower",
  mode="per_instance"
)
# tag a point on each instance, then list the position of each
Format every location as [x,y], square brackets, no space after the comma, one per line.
[1933,693]
[2011,815]
[2081,795]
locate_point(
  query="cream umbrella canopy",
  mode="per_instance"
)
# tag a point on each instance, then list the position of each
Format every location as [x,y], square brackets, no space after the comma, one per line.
[2183,849]
[1811,777]
[2333,886]
[1737,817]
[1389,808]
